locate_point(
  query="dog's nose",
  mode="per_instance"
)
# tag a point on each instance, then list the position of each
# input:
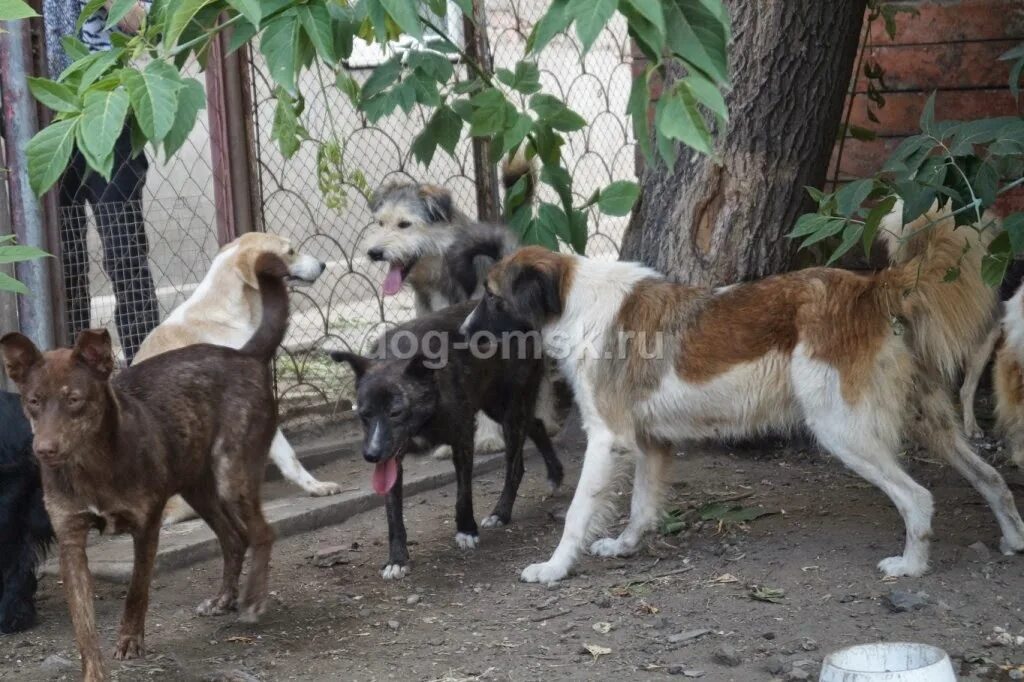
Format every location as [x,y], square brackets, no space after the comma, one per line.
[375,254]
[323,266]
[371,454]
[46,449]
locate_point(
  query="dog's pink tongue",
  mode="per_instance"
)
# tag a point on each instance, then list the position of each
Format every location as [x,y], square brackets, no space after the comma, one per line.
[393,281]
[384,476]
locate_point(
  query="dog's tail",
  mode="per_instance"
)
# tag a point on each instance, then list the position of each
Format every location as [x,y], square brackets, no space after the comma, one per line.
[935,283]
[512,170]
[270,273]
[472,256]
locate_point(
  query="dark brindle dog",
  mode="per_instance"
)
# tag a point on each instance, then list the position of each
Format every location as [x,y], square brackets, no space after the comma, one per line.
[196,421]
[432,399]
[25,530]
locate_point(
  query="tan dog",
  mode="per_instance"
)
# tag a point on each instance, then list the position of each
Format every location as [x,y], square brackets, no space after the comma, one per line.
[225,310]
[859,360]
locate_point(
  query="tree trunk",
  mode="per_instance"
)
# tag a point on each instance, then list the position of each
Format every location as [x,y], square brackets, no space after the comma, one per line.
[790,62]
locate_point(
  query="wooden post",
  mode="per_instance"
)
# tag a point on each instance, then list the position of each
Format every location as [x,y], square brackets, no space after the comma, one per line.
[477,47]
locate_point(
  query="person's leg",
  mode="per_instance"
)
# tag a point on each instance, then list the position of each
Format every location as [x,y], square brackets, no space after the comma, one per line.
[72,195]
[125,248]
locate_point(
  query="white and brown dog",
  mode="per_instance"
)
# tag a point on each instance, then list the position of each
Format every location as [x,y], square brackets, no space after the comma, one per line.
[225,310]
[858,359]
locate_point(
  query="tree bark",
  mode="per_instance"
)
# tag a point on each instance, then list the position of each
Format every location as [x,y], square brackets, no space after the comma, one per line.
[708,223]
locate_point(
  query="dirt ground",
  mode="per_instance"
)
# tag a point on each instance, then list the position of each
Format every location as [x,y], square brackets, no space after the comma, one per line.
[683,608]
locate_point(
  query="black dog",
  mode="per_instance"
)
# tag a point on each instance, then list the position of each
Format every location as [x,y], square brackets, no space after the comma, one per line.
[422,389]
[25,530]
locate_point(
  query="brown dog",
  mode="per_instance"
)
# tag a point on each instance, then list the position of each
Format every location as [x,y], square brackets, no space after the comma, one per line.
[196,421]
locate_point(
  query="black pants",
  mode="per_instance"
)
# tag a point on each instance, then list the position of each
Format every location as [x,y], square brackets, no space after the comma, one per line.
[117,207]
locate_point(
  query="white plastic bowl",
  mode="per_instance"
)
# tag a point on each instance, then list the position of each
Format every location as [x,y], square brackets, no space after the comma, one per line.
[888,662]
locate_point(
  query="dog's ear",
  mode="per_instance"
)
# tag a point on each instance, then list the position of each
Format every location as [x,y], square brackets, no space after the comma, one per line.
[418,368]
[94,349]
[537,294]
[20,356]
[438,203]
[358,363]
[245,265]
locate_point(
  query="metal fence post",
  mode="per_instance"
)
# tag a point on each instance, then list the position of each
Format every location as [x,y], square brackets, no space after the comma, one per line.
[232,148]
[478,48]
[21,122]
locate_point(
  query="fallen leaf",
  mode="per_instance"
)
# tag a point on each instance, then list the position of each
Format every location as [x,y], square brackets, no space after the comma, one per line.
[649,609]
[768,594]
[241,639]
[596,650]
[725,579]
[602,627]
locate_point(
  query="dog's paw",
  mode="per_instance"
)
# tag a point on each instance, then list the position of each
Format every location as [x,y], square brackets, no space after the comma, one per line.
[546,573]
[492,521]
[216,606]
[553,487]
[467,541]
[17,617]
[442,452]
[897,566]
[323,489]
[394,571]
[486,443]
[129,647]
[1011,545]
[250,613]
[610,547]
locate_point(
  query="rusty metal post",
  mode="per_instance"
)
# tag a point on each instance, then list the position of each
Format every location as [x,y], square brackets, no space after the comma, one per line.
[8,301]
[229,108]
[21,122]
[478,48]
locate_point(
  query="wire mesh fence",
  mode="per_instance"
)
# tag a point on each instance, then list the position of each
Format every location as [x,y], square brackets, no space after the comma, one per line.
[345,308]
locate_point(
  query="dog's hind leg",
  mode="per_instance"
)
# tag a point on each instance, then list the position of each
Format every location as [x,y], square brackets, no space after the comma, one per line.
[650,486]
[233,539]
[261,538]
[130,641]
[937,430]
[975,368]
[513,431]
[488,436]
[283,455]
[177,510]
[539,435]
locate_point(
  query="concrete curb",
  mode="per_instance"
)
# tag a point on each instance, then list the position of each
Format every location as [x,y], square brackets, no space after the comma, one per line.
[190,542]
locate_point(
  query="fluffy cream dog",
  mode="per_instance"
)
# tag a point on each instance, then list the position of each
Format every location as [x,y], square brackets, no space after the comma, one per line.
[225,310]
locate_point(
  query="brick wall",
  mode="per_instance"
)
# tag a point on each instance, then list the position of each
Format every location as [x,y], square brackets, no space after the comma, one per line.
[951,48]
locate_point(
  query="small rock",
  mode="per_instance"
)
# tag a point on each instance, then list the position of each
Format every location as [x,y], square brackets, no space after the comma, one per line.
[847,598]
[393,624]
[54,663]
[603,602]
[797,675]
[769,635]
[902,601]
[983,552]
[1016,674]
[809,644]
[775,665]
[413,599]
[727,655]
[331,556]
[687,636]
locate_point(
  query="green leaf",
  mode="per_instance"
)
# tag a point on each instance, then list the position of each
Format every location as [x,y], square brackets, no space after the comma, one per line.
[995,262]
[927,121]
[466,6]
[552,219]
[191,100]
[431,64]
[97,67]
[645,34]
[541,234]
[548,144]
[54,95]
[87,12]
[184,12]
[618,198]
[405,15]
[103,115]
[808,223]
[490,111]
[636,108]
[104,165]
[558,178]
[280,47]
[591,17]
[708,94]
[651,10]
[677,117]
[916,199]
[117,12]
[286,129]
[154,97]
[578,230]
[348,85]
[851,235]
[986,184]
[73,47]
[15,9]
[554,21]
[516,194]
[250,9]
[517,132]
[554,113]
[526,78]
[980,132]
[697,36]
[852,195]
[425,89]
[316,24]
[48,153]
[8,283]
[1013,224]
[829,227]
[241,34]
[18,253]
[874,219]
[382,77]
